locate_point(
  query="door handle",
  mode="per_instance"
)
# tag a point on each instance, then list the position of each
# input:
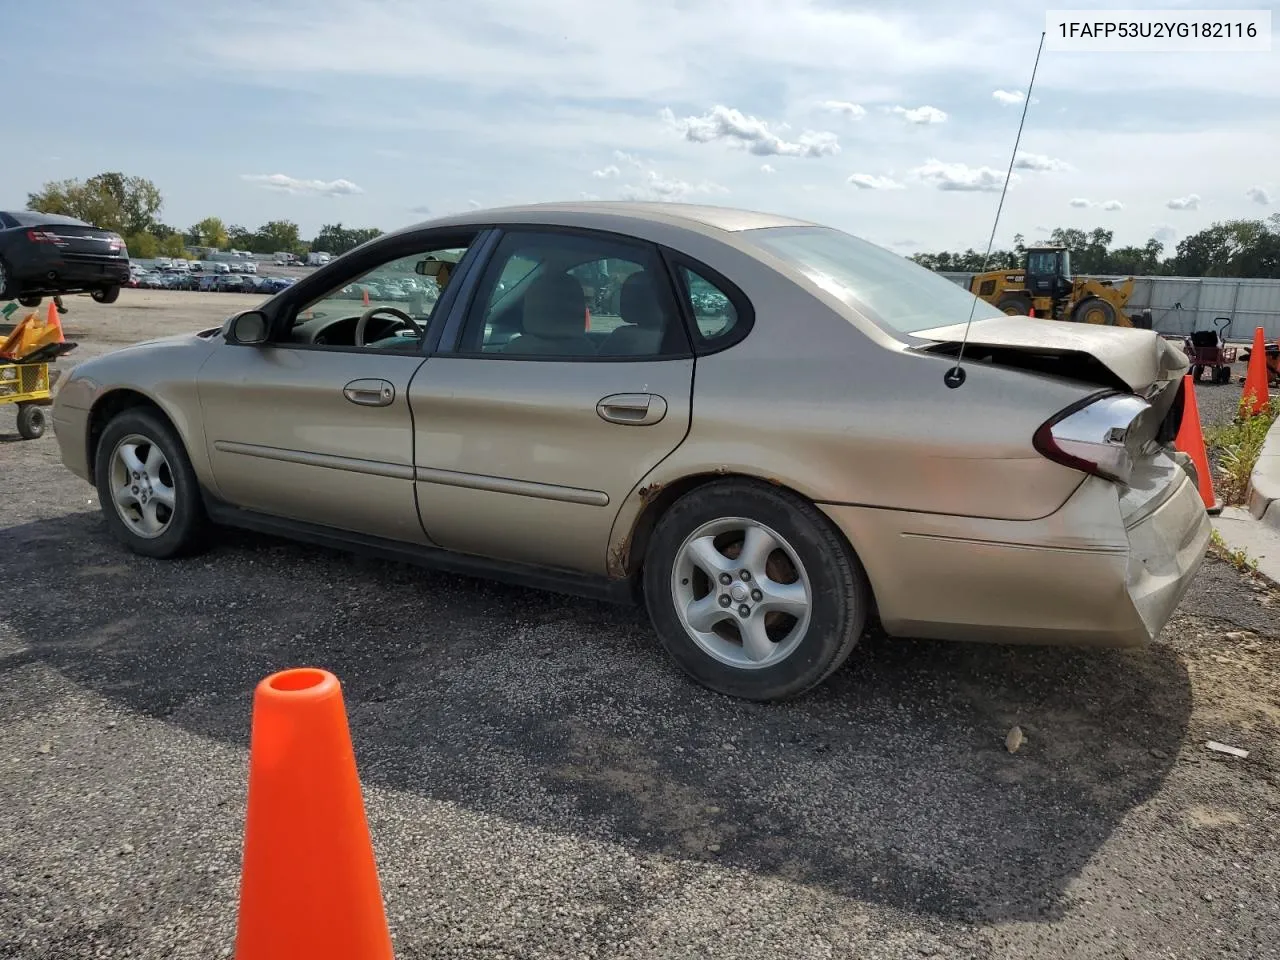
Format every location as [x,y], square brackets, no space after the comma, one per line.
[370,393]
[637,409]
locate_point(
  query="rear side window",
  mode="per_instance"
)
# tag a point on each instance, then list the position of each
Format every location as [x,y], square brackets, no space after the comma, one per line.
[713,311]
[721,314]
[7,221]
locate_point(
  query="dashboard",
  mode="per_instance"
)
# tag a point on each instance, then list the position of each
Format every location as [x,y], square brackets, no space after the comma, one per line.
[381,332]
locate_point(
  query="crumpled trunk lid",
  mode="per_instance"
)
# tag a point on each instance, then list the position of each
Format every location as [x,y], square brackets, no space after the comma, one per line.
[1139,360]
[1125,359]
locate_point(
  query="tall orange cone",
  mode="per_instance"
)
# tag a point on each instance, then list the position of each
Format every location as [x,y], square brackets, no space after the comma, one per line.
[1190,440]
[309,886]
[53,321]
[586,323]
[1256,396]
[364,296]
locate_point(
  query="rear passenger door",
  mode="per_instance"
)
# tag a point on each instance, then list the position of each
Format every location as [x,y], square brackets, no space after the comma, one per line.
[567,381]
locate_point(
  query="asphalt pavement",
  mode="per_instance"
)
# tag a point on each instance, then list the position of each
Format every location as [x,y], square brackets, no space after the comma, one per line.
[541,782]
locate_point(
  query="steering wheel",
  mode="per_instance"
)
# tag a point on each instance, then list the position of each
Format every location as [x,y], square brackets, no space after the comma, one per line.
[363,322]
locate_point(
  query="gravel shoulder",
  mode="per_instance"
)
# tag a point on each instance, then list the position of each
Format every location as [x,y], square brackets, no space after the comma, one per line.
[542,783]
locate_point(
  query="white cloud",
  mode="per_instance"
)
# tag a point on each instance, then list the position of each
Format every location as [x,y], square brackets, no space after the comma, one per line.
[474,204]
[1007,97]
[726,123]
[767,168]
[1164,233]
[1190,202]
[868,181]
[627,158]
[1113,205]
[589,196]
[606,172]
[959,176]
[1259,195]
[657,186]
[920,115]
[853,110]
[319,188]
[1080,202]
[1039,162]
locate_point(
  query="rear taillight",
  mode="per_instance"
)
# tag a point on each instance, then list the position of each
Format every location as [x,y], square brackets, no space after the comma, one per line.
[1095,435]
[43,236]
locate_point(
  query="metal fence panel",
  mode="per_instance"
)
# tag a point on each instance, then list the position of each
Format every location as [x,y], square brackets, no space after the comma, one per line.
[1181,304]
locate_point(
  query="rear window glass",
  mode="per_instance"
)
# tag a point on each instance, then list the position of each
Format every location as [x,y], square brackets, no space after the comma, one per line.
[889,290]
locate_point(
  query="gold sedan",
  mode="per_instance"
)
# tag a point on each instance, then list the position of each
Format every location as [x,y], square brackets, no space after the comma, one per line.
[744,421]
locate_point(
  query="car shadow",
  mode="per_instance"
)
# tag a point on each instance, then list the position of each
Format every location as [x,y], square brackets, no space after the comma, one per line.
[891,783]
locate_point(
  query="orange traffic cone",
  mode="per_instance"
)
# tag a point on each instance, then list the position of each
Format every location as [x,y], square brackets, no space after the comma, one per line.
[587,321]
[364,298]
[309,886]
[54,322]
[1256,396]
[1190,440]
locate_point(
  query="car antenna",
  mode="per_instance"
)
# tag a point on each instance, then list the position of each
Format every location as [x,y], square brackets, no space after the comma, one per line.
[955,376]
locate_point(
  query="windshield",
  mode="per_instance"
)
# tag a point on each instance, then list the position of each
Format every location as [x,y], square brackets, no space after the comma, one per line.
[394,284]
[892,291]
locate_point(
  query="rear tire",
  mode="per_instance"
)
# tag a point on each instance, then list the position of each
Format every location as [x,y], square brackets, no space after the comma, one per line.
[177,530]
[31,421]
[1014,305]
[789,625]
[28,301]
[106,295]
[1096,311]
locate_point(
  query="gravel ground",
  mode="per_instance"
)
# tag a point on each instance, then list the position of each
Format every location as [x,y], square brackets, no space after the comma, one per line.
[542,783]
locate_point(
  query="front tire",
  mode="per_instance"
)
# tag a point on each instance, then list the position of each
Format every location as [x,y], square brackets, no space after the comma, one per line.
[148,491]
[31,421]
[106,295]
[789,623]
[28,302]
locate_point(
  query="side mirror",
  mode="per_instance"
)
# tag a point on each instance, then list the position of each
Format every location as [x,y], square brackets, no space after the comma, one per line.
[248,328]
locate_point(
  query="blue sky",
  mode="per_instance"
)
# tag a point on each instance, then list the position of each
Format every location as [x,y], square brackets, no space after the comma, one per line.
[385,112]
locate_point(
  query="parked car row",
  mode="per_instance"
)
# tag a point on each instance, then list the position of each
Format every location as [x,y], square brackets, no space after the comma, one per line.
[218,282]
[390,288]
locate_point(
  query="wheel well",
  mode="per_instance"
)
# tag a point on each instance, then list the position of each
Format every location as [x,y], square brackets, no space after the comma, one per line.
[107,408]
[657,502]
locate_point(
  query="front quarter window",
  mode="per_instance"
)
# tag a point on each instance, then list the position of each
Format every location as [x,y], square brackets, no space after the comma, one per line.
[893,292]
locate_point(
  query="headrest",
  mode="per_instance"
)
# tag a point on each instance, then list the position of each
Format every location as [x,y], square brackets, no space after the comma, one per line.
[555,307]
[638,302]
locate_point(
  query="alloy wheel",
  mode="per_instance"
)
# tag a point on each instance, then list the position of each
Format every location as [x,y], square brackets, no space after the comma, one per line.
[142,486]
[741,593]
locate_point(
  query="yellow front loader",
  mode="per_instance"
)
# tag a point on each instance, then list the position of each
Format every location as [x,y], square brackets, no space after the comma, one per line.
[1044,285]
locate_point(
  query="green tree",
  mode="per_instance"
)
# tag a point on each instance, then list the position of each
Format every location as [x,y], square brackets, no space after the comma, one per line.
[210,232]
[138,198]
[238,237]
[172,246]
[111,201]
[336,239]
[275,236]
[142,245]
[71,198]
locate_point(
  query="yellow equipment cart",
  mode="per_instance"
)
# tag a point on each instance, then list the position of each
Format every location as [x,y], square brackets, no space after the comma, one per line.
[25,377]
